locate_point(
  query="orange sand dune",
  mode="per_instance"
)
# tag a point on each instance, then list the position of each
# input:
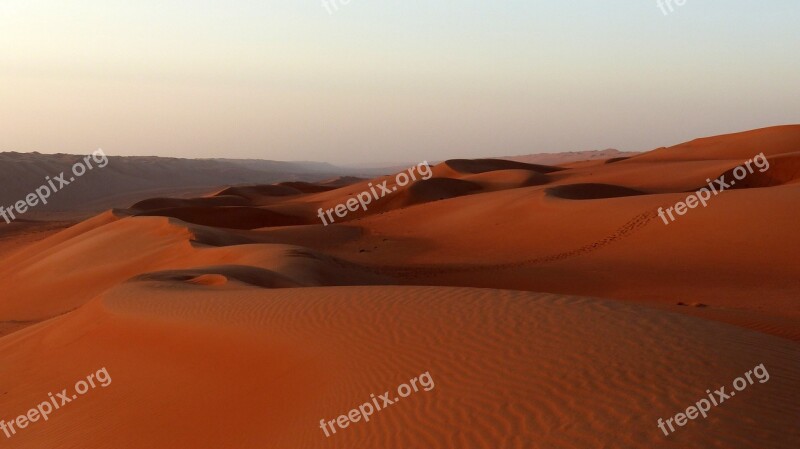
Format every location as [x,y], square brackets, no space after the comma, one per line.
[85,260]
[585,231]
[239,320]
[591,191]
[508,179]
[240,367]
[487,165]
[744,145]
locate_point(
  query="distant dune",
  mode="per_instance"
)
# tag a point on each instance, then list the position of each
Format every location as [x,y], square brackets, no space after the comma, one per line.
[570,157]
[551,305]
[129,179]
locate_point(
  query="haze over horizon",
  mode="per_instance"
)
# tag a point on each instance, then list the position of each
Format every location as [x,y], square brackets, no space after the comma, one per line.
[389,81]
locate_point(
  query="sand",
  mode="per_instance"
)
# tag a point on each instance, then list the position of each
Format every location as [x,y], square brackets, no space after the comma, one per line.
[551,305]
[237,366]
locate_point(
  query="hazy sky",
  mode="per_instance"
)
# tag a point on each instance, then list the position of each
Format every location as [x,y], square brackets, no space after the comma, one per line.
[389,80]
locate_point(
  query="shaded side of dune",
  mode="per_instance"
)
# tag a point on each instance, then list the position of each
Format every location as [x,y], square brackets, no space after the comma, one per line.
[590,191]
[474,166]
[229,217]
[436,189]
[172,203]
[220,275]
[783,169]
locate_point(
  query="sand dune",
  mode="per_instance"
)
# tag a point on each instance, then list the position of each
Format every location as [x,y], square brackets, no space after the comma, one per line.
[552,248]
[570,158]
[230,217]
[743,145]
[239,320]
[154,246]
[508,179]
[784,169]
[511,369]
[487,165]
[591,191]
[435,189]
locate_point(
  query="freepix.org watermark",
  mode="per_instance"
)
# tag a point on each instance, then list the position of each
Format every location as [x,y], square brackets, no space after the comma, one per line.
[101,379]
[333,5]
[717,398]
[364,198]
[716,187]
[376,404]
[668,6]
[41,194]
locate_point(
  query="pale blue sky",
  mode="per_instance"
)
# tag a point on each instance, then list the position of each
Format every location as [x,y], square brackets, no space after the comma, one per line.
[391,80]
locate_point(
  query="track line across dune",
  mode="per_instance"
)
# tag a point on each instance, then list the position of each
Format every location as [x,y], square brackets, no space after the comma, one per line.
[633,225]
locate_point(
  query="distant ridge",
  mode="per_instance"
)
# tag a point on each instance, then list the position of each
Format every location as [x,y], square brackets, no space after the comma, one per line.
[570,156]
[128,179]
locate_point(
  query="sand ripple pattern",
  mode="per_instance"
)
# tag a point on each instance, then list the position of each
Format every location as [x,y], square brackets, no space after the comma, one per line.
[512,369]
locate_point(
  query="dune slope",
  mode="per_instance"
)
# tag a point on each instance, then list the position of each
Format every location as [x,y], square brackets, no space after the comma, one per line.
[239,320]
[236,366]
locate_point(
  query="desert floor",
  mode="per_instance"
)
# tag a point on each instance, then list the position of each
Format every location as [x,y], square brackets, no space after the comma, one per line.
[551,305]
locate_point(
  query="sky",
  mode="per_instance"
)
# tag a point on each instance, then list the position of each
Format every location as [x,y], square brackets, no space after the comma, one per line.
[385,81]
